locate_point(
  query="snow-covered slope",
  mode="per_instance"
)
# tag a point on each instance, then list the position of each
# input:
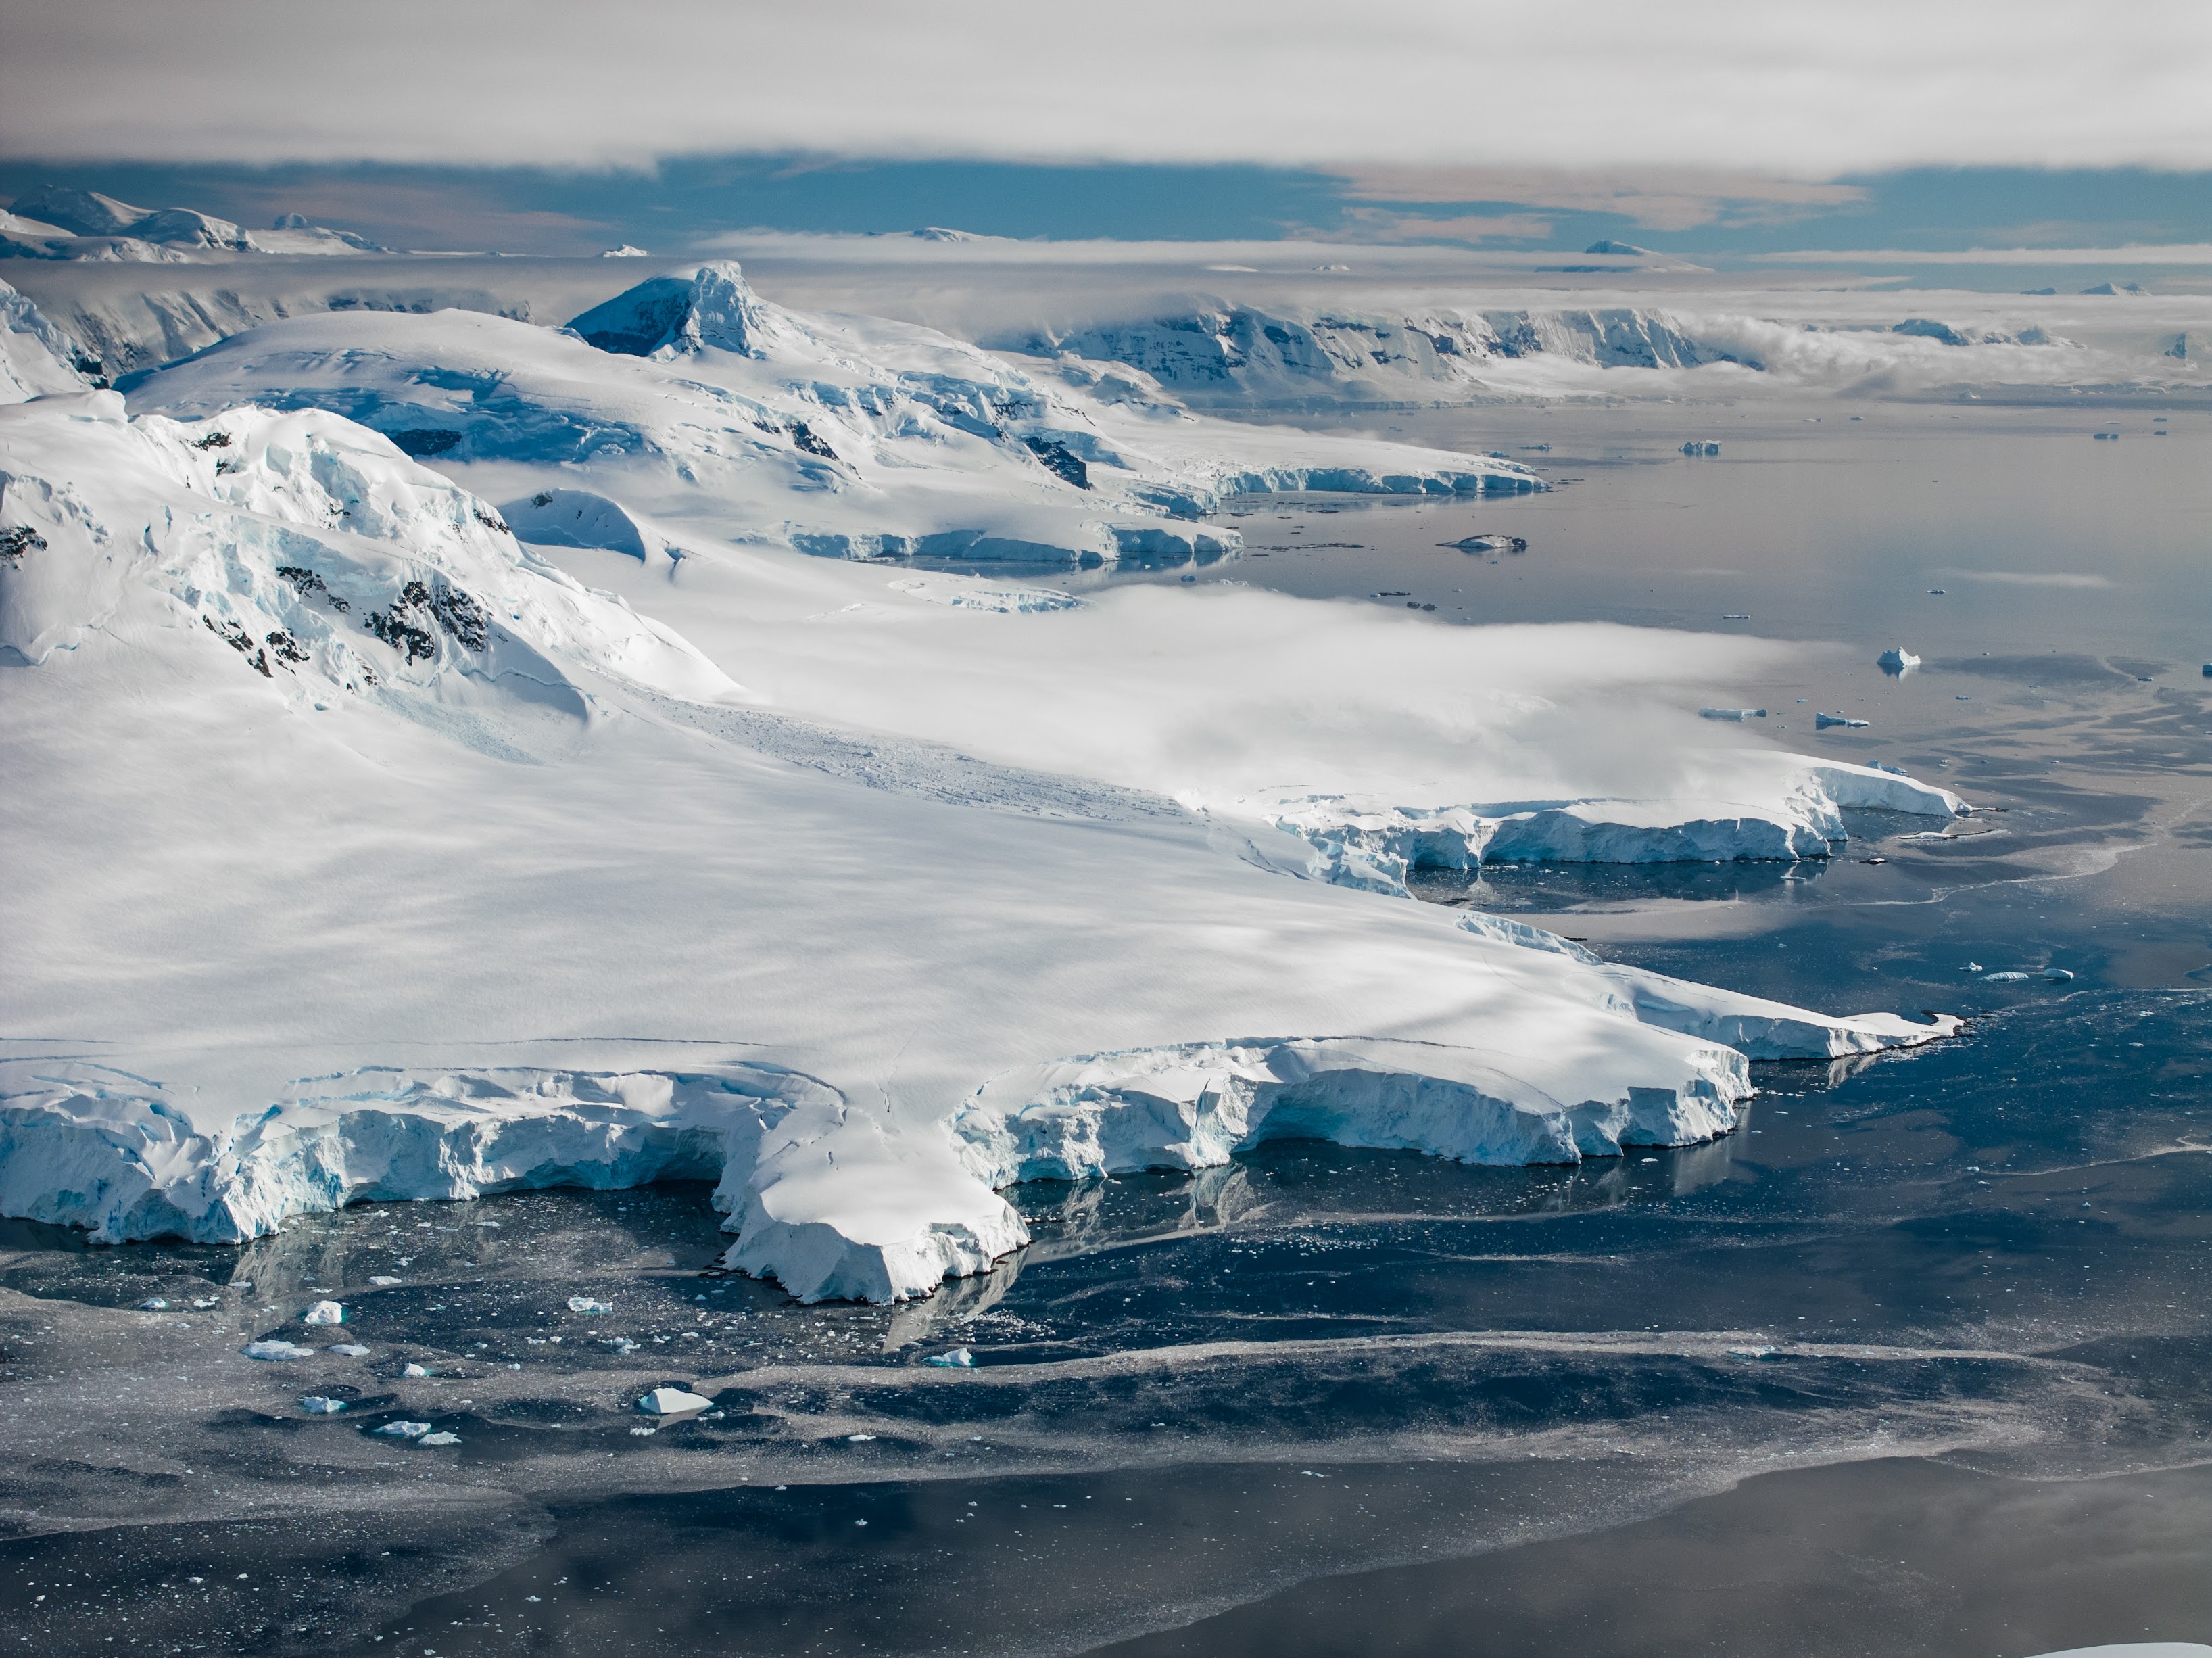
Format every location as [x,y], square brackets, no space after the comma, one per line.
[360,851]
[72,224]
[845,436]
[36,358]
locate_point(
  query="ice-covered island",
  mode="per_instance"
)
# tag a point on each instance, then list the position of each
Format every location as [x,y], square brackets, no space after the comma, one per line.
[559,815]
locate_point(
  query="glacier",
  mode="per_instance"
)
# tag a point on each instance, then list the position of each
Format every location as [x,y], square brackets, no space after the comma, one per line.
[372,851]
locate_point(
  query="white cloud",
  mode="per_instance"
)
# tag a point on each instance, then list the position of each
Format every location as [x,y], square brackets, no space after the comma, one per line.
[1803,92]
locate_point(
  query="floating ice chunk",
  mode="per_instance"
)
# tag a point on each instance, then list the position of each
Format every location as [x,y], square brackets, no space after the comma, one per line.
[2057,975]
[153,1304]
[1489,544]
[1897,661]
[316,1405]
[1752,1352]
[1822,721]
[416,1372]
[2004,978]
[1735,714]
[352,1350]
[438,1438]
[585,1304]
[403,1429]
[643,1433]
[959,1359]
[323,1312]
[274,1349]
[384,1281]
[858,1439]
[621,1344]
[673,1402]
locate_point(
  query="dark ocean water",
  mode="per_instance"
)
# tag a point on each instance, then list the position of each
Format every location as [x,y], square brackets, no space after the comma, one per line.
[1914,1362]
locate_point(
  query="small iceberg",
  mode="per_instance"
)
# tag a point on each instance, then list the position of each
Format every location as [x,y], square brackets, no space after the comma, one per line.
[403,1429]
[153,1304]
[316,1405]
[1696,445]
[585,1304]
[673,1402]
[438,1438]
[1822,721]
[1738,714]
[2058,975]
[2007,977]
[352,1350]
[416,1372]
[1489,544]
[1896,662]
[323,1312]
[959,1359]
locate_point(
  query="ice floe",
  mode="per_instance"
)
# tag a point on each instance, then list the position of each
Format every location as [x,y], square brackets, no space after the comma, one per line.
[674,1402]
[275,1350]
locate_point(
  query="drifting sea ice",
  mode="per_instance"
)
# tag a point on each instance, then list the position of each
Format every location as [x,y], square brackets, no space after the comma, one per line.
[274,1350]
[674,1402]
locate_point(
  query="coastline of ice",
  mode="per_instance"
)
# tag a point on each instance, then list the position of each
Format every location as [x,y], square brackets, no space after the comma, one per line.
[1762,807]
[382,856]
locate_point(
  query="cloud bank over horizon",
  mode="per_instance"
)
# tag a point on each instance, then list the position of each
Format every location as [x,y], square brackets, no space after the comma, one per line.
[1400,99]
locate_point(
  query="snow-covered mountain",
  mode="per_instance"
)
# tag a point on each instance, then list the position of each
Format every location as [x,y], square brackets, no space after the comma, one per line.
[1227,354]
[55,223]
[366,850]
[1246,354]
[1379,343]
[690,397]
[36,358]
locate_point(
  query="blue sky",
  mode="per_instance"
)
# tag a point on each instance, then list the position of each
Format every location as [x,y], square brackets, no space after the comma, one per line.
[671,208]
